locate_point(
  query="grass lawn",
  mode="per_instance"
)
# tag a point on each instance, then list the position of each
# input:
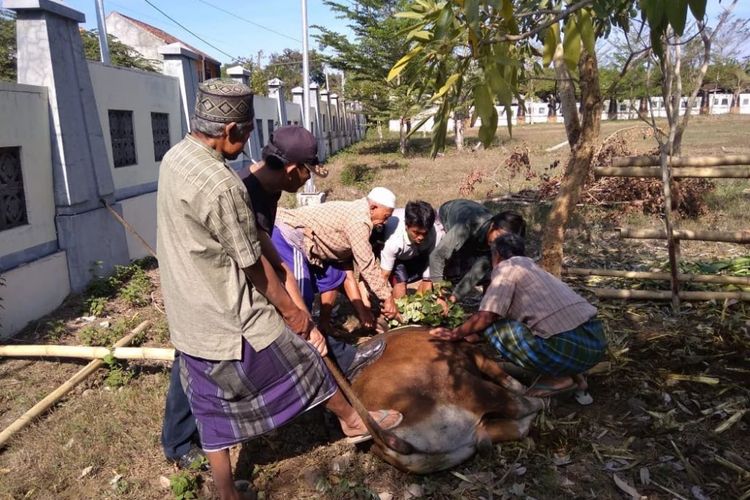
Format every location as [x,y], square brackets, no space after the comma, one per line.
[646,427]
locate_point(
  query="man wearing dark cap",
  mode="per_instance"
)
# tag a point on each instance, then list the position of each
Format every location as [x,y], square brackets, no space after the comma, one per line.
[289,159]
[249,357]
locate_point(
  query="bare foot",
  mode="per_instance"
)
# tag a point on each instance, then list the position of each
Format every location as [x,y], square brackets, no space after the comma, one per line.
[387,419]
[581,381]
[550,386]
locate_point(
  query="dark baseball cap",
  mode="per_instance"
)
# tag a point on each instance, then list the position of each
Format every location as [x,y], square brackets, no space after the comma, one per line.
[295,144]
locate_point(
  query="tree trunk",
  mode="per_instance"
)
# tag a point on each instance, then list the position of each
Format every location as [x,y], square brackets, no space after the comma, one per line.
[612,110]
[403,132]
[735,108]
[458,130]
[521,115]
[582,152]
[567,92]
[380,131]
[705,96]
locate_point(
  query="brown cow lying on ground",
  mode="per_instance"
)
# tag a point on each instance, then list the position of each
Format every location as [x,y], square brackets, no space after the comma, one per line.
[455,400]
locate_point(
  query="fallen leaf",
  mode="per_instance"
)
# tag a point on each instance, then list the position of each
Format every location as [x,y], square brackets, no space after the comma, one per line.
[698,493]
[85,472]
[645,476]
[730,421]
[626,488]
[164,482]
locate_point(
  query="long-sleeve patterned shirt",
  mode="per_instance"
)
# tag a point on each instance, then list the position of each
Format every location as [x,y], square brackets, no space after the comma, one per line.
[466,224]
[339,231]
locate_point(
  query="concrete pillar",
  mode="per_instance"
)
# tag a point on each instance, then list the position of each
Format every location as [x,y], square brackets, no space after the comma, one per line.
[325,106]
[50,53]
[183,64]
[239,74]
[345,125]
[276,91]
[315,114]
[297,98]
[336,140]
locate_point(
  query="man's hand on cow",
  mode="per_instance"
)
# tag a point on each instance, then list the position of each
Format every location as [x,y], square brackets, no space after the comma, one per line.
[445,334]
[318,341]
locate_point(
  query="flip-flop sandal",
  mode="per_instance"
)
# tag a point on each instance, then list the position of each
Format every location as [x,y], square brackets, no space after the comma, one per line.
[583,397]
[382,415]
[546,391]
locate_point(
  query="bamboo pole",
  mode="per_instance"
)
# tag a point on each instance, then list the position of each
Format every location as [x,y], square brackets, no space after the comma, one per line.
[700,161]
[86,352]
[645,275]
[615,293]
[733,172]
[686,234]
[65,388]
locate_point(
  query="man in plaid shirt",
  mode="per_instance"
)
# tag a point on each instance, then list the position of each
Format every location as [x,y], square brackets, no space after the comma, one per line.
[322,241]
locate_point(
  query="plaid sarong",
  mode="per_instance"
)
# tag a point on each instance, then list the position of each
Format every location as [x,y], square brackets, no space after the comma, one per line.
[567,353]
[234,401]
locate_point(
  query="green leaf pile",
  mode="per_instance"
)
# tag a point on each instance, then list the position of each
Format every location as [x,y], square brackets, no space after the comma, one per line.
[424,309]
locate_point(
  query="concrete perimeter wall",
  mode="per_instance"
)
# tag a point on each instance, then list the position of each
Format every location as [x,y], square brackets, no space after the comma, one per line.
[34,269]
[77,137]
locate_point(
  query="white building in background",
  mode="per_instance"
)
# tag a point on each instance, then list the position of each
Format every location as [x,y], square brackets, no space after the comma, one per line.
[539,112]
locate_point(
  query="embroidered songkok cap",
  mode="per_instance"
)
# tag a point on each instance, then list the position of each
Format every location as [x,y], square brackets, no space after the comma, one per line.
[224,101]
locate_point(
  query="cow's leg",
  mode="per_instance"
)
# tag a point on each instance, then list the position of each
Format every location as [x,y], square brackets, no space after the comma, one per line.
[498,401]
[507,429]
[494,371]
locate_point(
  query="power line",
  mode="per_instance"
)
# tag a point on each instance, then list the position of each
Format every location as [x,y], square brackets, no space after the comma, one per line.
[234,15]
[188,30]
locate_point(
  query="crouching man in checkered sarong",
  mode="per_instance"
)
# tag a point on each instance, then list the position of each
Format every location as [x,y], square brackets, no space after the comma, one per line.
[535,321]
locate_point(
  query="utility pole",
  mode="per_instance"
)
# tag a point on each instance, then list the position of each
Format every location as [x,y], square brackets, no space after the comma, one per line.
[102,28]
[310,184]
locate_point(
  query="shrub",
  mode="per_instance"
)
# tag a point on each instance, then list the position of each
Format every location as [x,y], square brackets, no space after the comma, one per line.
[357,174]
[184,485]
[55,329]
[137,291]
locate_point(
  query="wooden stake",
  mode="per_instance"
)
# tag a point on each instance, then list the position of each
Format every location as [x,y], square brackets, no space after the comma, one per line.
[678,172]
[130,228]
[65,388]
[86,352]
[646,275]
[686,234]
[616,293]
[700,161]
[383,437]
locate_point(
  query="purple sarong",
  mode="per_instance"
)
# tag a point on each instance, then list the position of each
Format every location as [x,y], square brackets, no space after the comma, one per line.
[234,401]
[310,279]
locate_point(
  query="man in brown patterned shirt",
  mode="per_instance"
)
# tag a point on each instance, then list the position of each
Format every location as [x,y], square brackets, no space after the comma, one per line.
[535,321]
[337,232]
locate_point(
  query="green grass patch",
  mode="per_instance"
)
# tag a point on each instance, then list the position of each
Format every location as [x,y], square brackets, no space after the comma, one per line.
[357,175]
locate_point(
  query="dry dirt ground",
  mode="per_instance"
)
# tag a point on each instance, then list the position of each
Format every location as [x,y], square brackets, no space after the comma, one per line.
[669,418]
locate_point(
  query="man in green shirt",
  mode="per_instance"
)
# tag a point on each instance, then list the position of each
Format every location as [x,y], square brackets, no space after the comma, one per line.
[462,255]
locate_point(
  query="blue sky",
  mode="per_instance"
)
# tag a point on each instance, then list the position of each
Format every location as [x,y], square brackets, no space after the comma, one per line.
[237,37]
[229,33]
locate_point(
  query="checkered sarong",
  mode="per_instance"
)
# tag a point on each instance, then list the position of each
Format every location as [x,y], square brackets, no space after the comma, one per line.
[234,401]
[567,353]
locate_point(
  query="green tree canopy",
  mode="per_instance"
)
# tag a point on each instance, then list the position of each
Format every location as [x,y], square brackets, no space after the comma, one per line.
[120,54]
[367,57]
